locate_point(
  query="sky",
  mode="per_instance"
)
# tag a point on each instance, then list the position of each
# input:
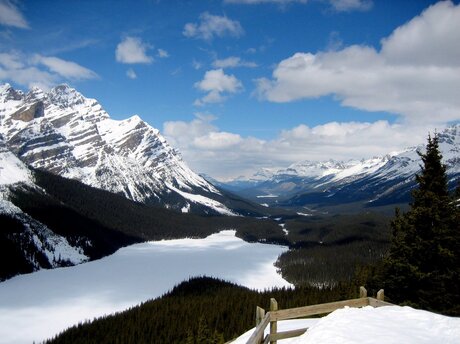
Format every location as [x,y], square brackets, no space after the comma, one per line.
[241,85]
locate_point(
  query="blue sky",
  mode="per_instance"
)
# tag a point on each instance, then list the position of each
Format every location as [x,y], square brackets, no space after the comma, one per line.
[238,85]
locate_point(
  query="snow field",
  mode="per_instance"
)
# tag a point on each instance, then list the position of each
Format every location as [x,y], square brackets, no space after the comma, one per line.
[368,325]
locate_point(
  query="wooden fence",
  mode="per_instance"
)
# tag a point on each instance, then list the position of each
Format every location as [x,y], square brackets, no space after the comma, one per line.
[274,315]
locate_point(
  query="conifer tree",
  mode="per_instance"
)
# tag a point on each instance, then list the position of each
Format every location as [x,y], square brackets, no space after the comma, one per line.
[423,265]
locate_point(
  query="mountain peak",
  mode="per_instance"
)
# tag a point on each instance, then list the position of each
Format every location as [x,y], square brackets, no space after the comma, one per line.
[35,93]
[7,92]
[65,96]
[63,132]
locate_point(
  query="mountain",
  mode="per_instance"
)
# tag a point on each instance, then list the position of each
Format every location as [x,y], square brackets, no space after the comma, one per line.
[76,185]
[371,182]
[65,133]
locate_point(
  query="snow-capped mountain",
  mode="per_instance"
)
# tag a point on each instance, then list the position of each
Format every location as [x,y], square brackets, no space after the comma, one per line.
[379,180]
[63,132]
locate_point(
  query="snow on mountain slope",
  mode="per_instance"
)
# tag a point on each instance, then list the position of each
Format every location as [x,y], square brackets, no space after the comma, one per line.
[65,133]
[41,247]
[12,170]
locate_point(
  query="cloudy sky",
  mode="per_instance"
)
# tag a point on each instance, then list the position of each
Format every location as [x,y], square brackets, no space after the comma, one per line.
[238,85]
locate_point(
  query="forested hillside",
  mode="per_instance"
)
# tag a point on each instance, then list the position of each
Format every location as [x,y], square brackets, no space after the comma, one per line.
[202,310]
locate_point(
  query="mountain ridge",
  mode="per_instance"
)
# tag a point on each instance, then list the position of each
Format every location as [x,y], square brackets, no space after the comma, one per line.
[380,180]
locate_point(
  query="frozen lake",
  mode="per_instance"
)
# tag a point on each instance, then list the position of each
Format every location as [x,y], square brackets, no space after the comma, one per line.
[37,306]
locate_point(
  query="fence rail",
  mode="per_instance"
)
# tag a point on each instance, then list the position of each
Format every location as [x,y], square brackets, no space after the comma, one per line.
[274,315]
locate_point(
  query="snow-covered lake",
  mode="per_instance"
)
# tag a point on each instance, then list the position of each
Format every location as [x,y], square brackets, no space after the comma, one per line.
[37,306]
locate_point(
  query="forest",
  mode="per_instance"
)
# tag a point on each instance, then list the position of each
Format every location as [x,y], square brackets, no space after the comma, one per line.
[201,310]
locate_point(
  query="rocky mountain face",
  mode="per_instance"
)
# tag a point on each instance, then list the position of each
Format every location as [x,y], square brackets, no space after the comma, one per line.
[378,181]
[65,133]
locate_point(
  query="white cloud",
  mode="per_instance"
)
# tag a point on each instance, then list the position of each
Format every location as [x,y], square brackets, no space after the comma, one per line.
[132,50]
[11,60]
[211,26]
[228,155]
[217,83]
[217,141]
[130,73]
[253,2]
[162,53]
[197,64]
[30,76]
[67,69]
[351,5]
[337,5]
[416,74]
[10,15]
[28,70]
[233,62]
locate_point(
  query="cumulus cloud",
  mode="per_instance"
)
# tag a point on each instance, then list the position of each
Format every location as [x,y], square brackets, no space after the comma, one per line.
[132,50]
[210,26]
[217,84]
[10,15]
[226,155]
[415,74]
[233,62]
[41,71]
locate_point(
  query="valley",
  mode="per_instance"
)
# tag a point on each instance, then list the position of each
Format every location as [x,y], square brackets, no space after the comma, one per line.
[100,215]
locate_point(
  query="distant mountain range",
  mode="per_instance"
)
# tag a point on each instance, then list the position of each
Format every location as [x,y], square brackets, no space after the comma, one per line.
[372,182]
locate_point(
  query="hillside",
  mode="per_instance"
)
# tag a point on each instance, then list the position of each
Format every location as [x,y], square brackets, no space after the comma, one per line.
[49,221]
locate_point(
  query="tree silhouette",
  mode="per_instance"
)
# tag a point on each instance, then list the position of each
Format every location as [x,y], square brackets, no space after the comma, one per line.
[423,265]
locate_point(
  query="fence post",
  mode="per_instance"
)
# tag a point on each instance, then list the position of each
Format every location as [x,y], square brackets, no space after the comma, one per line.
[362,292]
[381,295]
[260,313]
[273,324]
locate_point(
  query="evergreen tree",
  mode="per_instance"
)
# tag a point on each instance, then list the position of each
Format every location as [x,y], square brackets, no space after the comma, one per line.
[423,265]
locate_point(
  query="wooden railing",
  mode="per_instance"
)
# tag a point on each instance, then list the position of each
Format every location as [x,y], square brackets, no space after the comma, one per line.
[274,315]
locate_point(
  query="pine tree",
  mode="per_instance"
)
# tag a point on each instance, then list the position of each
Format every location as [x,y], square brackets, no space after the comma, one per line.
[423,265]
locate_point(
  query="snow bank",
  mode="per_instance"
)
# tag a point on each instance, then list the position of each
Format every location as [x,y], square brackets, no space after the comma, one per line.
[368,325]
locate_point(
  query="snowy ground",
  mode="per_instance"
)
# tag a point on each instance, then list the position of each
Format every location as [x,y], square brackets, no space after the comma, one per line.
[384,325]
[36,306]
